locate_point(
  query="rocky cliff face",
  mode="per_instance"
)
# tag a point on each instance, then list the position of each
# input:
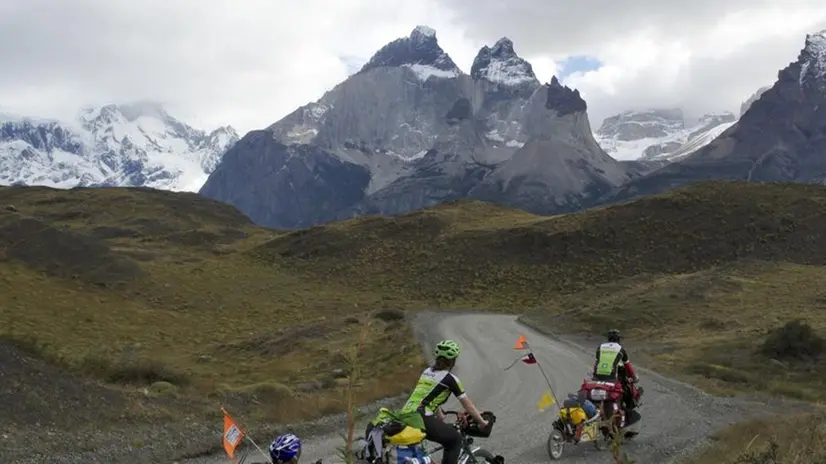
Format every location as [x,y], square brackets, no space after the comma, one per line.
[411,130]
[561,167]
[780,137]
[756,96]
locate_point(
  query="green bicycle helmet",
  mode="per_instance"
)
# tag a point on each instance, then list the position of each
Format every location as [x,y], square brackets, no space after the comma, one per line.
[447,349]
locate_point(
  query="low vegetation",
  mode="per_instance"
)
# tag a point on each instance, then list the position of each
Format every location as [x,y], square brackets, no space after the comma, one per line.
[141,289]
[792,439]
[185,297]
[477,254]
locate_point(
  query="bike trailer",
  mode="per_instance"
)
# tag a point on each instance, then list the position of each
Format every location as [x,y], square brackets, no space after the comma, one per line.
[405,454]
[385,433]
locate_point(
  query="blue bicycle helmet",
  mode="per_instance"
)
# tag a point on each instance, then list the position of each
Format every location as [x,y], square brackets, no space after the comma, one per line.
[285,448]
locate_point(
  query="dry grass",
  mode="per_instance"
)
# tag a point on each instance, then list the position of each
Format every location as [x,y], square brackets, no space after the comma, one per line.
[708,327]
[472,254]
[134,287]
[793,439]
[137,287]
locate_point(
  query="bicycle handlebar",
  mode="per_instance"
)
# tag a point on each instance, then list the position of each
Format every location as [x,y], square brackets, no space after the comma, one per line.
[491,417]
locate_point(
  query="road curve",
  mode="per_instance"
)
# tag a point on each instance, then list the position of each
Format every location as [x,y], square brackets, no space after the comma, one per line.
[675,416]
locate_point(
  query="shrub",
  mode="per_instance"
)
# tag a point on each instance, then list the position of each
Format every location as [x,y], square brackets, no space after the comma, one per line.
[796,340]
[390,315]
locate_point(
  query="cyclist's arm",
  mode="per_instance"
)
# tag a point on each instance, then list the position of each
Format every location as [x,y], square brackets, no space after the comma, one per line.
[440,414]
[459,391]
[471,409]
[596,362]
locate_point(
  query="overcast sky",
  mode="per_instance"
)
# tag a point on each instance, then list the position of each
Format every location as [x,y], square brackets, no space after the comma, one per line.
[250,62]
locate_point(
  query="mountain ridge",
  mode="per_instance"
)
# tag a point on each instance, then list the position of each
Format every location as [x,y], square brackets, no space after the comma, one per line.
[423,138]
[779,138]
[129,144]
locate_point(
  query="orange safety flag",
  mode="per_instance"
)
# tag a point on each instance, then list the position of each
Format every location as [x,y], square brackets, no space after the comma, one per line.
[521,343]
[233,434]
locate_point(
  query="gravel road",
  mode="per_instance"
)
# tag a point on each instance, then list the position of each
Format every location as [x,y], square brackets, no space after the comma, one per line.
[676,417]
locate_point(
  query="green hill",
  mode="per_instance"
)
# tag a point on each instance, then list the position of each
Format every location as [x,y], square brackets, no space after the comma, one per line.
[476,253]
[136,287]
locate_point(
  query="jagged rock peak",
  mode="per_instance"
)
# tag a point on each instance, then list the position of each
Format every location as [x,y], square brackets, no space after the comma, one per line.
[500,64]
[420,48]
[563,99]
[756,96]
[423,33]
[813,57]
[129,111]
[503,48]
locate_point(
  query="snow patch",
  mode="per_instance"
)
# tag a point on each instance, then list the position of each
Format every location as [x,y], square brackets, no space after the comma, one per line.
[425,72]
[302,134]
[317,110]
[495,136]
[507,72]
[425,30]
[696,143]
[407,158]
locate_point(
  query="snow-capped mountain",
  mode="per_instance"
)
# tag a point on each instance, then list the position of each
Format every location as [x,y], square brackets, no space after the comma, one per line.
[501,65]
[411,130]
[779,138]
[659,134]
[136,144]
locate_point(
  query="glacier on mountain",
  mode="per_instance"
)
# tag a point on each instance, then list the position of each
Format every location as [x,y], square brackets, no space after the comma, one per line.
[137,144]
[778,138]
[659,134]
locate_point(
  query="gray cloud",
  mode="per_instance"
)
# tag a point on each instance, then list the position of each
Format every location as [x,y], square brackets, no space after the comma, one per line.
[250,62]
[706,80]
[562,28]
[244,62]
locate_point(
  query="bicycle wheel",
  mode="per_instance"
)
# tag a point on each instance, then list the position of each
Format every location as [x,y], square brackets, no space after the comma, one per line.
[483,456]
[556,444]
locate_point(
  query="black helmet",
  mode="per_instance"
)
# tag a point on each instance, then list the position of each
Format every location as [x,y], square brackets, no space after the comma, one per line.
[614,336]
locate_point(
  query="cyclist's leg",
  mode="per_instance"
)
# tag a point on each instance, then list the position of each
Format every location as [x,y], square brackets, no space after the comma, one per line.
[445,435]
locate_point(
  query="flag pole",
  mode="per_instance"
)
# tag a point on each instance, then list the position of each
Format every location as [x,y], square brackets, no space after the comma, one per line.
[523,340]
[267,456]
[547,380]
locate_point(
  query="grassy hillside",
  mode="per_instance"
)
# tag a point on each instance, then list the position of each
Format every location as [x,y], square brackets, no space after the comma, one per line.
[700,273]
[140,288]
[473,253]
[136,288]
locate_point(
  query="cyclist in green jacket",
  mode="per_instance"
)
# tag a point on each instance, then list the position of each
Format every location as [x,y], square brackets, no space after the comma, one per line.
[433,389]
